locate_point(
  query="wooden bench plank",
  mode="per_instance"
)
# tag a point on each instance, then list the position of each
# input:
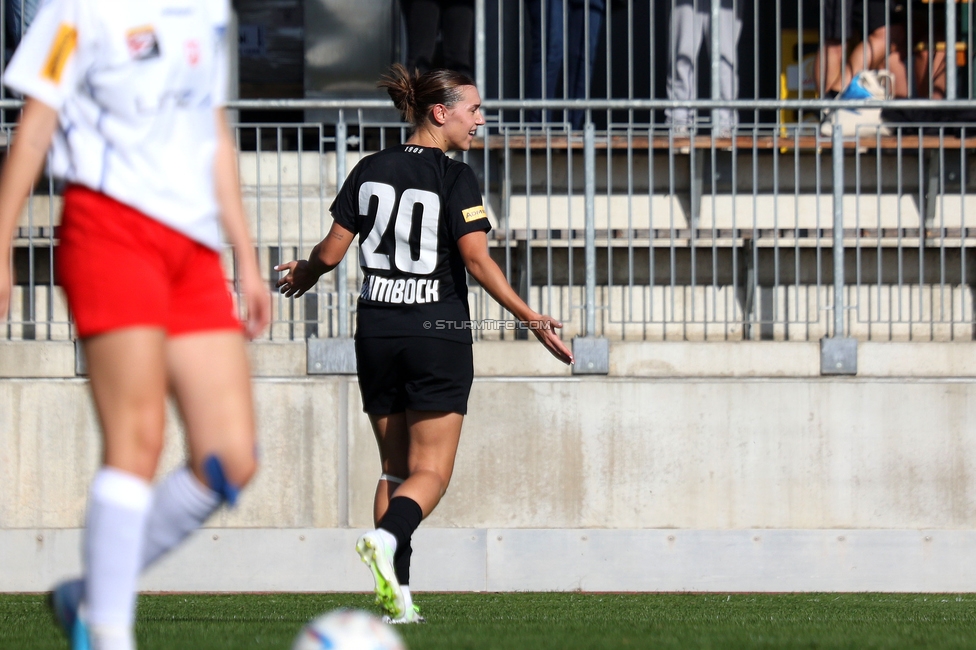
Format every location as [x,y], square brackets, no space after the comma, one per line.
[766,142]
[622,236]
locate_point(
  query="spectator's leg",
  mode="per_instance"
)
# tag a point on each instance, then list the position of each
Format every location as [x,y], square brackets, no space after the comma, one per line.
[536,29]
[935,84]
[897,63]
[457,35]
[555,46]
[826,69]
[20,15]
[855,63]
[575,49]
[423,19]
[830,63]
[921,71]
[859,32]
[881,28]
[869,54]
[685,42]
[730,28]
[583,40]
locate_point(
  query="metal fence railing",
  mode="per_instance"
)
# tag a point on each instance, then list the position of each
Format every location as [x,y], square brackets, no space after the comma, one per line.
[635,199]
[631,232]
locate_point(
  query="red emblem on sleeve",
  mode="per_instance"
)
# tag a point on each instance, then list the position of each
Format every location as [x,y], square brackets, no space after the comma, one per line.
[142,43]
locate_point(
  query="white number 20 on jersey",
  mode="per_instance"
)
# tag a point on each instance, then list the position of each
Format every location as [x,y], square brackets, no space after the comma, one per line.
[386,196]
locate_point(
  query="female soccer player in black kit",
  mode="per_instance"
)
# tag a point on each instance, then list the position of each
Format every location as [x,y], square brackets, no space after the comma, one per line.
[421,223]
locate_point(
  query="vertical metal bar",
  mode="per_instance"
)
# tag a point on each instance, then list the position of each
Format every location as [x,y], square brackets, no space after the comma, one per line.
[714,34]
[589,171]
[521,60]
[837,138]
[500,62]
[3,68]
[322,208]
[479,45]
[259,218]
[280,241]
[900,283]
[549,307]
[930,48]
[341,299]
[950,51]
[943,262]
[964,225]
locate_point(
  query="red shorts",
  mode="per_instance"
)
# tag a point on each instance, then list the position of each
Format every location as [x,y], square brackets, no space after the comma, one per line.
[120,268]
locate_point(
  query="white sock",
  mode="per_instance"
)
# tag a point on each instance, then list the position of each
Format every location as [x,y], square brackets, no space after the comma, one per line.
[117,509]
[180,505]
[388,538]
[407,598]
[110,637]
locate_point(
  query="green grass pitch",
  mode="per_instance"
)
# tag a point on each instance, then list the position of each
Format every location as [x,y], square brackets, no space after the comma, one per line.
[539,621]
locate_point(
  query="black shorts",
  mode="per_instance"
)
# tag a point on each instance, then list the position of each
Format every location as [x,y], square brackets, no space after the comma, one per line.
[414,372]
[852,13]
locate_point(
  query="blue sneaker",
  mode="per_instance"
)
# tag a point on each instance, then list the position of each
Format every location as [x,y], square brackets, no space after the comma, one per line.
[863,86]
[65,601]
[862,122]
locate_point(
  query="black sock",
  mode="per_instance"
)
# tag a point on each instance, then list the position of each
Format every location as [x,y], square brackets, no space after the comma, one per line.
[831,94]
[402,518]
[401,564]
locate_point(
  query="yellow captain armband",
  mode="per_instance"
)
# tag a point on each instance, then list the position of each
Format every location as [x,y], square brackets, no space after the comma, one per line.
[65,42]
[473,214]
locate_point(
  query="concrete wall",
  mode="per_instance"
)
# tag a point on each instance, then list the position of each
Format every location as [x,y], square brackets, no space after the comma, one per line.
[727,466]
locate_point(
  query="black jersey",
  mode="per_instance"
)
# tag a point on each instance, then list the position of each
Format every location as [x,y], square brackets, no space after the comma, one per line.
[409,205]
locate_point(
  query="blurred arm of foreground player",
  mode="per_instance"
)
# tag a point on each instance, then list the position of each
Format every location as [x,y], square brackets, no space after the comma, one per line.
[257,299]
[474,251]
[301,275]
[24,162]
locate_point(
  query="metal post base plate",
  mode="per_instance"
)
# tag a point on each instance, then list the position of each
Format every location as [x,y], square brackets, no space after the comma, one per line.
[838,356]
[331,356]
[592,356]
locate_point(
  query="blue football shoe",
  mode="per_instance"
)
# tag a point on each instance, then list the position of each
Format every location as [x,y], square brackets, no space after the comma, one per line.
[65,601]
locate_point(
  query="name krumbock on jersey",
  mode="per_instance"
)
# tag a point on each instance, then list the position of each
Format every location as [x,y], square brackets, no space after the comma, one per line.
[400,291]
[410,205]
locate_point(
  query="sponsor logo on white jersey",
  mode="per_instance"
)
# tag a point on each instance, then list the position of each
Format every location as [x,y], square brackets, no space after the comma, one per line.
[400,291]
[142,43]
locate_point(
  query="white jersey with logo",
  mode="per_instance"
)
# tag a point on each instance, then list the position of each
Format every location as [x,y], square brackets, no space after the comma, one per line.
[136,84]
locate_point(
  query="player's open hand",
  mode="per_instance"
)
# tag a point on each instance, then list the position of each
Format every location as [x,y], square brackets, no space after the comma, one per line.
[544,328]
[297,279]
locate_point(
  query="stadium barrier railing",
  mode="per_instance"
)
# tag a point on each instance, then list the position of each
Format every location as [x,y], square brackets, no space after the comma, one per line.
[629,232]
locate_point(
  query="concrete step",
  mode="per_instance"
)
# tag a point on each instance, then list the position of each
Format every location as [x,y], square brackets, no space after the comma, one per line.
[723,211]
[289,168]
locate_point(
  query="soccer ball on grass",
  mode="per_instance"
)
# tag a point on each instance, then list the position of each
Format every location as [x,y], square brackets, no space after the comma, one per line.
[347,629]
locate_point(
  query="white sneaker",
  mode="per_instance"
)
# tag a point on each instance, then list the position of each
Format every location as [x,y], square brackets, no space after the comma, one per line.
[378,556]
[861,123]
[412,615]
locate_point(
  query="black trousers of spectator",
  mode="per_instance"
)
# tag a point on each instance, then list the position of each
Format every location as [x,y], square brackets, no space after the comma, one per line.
[454,20]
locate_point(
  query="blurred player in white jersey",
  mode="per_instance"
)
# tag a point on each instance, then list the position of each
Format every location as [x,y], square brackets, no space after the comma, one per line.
[131,95]
[421,224]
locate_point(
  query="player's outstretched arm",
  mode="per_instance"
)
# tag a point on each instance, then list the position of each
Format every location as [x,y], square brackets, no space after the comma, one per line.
[257,298]
[301,275]
[24,162]
[474,251]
